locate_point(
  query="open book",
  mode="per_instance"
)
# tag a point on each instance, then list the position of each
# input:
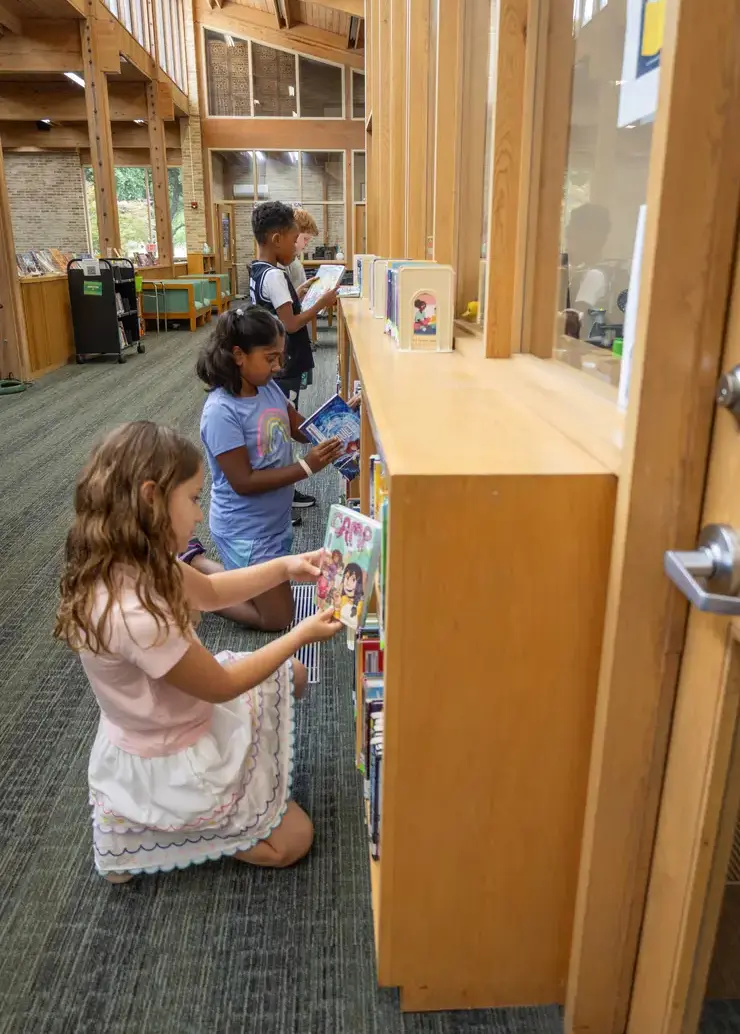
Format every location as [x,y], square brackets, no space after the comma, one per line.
[327,278]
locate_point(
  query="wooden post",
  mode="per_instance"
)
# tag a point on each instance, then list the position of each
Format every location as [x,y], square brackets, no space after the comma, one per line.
[101,140]
[371,148]
[546,121]
[397,170]
[447,133]
[13,343]
[472,160]
[503,196]
[158,160]
[382,128]
[417,109]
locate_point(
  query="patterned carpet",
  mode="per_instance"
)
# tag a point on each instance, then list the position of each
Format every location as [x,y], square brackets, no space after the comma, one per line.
[217,949]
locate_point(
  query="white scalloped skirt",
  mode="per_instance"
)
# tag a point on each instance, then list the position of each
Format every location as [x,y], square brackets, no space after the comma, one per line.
[222,795]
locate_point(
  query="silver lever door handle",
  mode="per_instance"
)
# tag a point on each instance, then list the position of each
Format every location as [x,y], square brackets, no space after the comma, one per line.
[716,561]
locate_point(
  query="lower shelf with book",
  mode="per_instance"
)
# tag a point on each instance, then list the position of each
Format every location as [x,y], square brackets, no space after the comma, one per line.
[487,612]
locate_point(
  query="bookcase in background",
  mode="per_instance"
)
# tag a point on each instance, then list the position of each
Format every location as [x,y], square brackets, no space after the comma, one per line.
[200,262]
[105,311]
[499,539]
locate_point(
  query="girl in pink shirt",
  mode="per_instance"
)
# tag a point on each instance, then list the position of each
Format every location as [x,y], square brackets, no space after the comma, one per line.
[193,758]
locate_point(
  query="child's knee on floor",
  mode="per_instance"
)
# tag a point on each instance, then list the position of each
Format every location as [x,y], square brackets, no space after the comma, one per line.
[300,678]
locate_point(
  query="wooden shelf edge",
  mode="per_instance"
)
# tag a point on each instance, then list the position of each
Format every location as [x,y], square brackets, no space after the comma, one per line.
[375,897]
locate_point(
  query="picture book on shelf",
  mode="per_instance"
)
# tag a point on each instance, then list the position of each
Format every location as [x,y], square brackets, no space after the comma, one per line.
[335,419]
[327,278]
[351,552]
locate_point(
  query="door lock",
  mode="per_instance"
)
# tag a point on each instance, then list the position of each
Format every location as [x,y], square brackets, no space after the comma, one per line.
[728,391]
[709,576]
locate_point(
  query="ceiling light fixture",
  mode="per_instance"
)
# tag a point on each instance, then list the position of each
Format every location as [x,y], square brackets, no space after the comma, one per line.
[140,121]
[229,40]
[46,121]
[260,155]
[75,78]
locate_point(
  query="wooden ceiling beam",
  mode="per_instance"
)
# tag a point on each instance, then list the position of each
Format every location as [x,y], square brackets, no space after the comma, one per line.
[354,7]
[50,46]
[24,136]
[61,102]
[304,39]
[278,14]
[10,21]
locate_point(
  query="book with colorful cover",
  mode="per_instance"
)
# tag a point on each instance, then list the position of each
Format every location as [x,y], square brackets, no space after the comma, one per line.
[351,552]
[335,419]
[326,279]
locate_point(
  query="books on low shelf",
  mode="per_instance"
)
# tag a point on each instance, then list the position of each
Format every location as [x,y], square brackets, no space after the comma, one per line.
[327,277]
[358,273]
[41,262]
[420,306]
[351,556]
[335,419]
[369,699]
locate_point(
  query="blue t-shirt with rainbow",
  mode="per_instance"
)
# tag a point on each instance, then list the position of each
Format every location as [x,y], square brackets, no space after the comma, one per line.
[261,424]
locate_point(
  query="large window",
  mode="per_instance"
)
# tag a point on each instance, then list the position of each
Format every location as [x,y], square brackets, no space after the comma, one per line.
[312,179]
[136,218]
[246,79]
[605,186]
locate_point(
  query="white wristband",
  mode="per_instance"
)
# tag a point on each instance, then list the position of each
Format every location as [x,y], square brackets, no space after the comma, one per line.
[309,472]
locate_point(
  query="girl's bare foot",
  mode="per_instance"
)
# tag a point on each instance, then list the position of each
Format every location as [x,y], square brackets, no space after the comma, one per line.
[119,877]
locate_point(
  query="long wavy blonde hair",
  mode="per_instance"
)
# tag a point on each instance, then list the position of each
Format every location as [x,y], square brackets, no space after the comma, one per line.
[118,530]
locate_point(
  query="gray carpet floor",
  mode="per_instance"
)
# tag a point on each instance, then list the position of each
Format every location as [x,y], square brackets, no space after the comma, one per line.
[219,948]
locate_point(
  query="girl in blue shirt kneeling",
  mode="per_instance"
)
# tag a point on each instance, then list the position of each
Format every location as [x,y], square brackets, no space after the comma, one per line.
[246,428]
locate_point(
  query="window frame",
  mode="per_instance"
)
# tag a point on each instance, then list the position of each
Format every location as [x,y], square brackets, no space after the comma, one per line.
[205,27]
[353,117]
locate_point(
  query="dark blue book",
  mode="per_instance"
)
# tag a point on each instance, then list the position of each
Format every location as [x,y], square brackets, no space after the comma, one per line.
[335,419]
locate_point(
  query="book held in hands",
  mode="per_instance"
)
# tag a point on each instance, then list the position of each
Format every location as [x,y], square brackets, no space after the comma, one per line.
[335,419]
[327,278]
[351,553]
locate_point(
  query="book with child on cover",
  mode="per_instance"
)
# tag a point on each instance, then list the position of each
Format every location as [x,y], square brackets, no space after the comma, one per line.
[335,419]
[327,277]
[351,551]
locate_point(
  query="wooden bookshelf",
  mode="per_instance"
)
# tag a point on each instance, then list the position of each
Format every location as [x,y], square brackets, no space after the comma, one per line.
[200,262]
[501,497]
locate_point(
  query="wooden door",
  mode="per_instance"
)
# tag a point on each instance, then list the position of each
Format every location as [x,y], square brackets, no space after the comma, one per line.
[701,790]
[693,196]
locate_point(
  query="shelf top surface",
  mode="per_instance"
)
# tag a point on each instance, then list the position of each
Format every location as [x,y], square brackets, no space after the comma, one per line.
[460,413]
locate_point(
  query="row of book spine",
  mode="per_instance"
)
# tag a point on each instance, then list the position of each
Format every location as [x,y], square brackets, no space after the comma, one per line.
[369,697]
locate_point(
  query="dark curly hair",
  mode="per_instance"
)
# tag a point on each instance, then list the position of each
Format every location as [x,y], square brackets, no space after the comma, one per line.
[249,328]
[271,217]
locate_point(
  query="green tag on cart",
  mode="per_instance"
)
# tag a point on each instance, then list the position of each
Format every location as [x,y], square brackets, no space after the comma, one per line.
[93,287]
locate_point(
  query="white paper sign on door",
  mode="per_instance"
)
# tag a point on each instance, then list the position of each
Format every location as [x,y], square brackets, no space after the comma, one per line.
[630,316]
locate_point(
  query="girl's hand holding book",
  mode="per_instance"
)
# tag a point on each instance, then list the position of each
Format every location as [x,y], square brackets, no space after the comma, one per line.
[319,627]
[305,567]
[323,454]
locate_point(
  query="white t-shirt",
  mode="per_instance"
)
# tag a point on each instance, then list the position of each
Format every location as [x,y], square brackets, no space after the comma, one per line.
[275,288]
[297,273]
[592,289]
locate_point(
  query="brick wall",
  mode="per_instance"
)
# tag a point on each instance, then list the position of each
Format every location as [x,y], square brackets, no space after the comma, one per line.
[47,201]
[192,148]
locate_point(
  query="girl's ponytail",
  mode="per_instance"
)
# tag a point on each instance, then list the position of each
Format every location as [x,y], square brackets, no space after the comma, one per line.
[248,328]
